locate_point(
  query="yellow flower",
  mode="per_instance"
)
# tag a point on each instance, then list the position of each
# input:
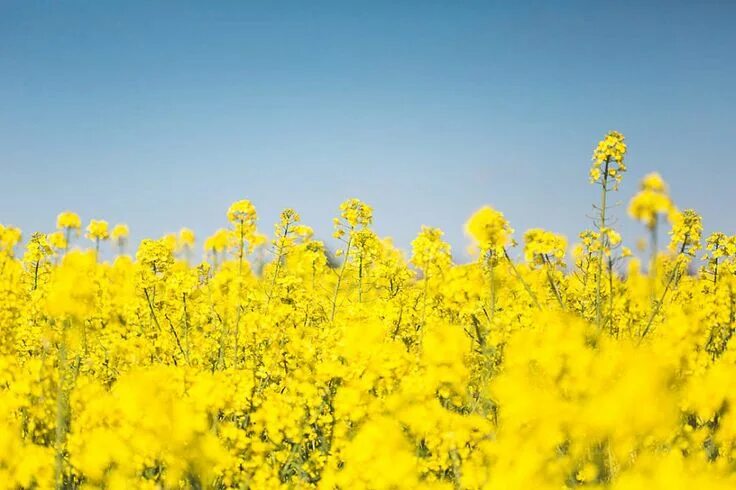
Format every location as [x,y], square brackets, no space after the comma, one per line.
[10,236]
[651,201]
[292,368]
[98,230]
[218,242]
[687,229]
[356,213]
[68,221]
[120,232]
[57,240]
[608,159]
[541,247]
[241,212]
[430,251]
[186,238]
[489,229]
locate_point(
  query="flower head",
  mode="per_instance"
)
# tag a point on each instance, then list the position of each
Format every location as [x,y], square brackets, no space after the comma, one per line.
[120,232]
[68,220]
[542,246]
[651,201]
[687,229]
[608,159]
[242,212]
[10,236]
[489,229]
[186,238]
[354,213]
[98,230]
[429,249]
[218,241]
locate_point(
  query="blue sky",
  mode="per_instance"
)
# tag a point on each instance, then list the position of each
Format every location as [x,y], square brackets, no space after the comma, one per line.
[160,114]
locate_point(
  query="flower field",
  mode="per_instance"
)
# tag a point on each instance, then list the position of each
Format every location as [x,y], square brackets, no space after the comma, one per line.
[273,362]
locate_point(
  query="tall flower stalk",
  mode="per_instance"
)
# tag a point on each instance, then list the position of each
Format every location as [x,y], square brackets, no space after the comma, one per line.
[607,171]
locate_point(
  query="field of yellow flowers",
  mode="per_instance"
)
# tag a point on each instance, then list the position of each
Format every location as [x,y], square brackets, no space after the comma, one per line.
[371,368]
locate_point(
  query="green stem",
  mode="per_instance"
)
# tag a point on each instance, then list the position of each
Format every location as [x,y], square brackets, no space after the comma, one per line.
[491,285]
[653,258]
[242,247]
[360,278]
[61,414]
[340,275]
[658,304]
[521,279]
[602,242]
[279,258]
[550,279]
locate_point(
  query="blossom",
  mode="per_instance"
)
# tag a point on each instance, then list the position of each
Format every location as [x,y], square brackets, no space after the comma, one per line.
[489,229]
[186,238]
[98,230]
[242,212]
[541,246]
[120,232]
[608,159]
[68,221]
[292,368]
[651,201]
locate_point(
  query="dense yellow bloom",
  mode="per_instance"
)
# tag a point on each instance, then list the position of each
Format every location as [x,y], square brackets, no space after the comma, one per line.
[186,238]
[241,212]
[651,201]
[489,229]
[687,230]
[291,367]
[155,255]
[72,288]
[57,240]
[608,159]
[68,221]
[98,230]
[218,242]
[430,251]
[542,247]
[356,213]
[120,232]
[10,236]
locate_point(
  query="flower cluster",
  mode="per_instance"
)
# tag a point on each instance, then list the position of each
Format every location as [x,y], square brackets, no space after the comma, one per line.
[489,230]
[274,363]
[608,159]
[651,201]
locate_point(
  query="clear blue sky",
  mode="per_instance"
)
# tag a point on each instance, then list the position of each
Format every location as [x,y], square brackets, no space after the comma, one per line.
[160,114]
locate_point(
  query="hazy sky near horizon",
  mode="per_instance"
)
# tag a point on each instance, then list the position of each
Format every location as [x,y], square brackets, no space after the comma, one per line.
[160,114]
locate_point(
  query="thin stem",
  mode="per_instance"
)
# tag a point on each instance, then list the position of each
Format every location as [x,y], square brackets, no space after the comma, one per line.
[360,277]
[603,242]
[658,304]
[425,291]
[340,275]
[610,293]
[186,323]
[492,286]
[242,247]
[278,264]
[176,337]
[61,414]
[653,258]
[550,279]
[521,279]
[35,275]
[67,238]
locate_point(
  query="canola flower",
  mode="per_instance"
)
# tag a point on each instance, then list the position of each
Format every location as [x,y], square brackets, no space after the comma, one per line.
[370,369]
[69,224]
